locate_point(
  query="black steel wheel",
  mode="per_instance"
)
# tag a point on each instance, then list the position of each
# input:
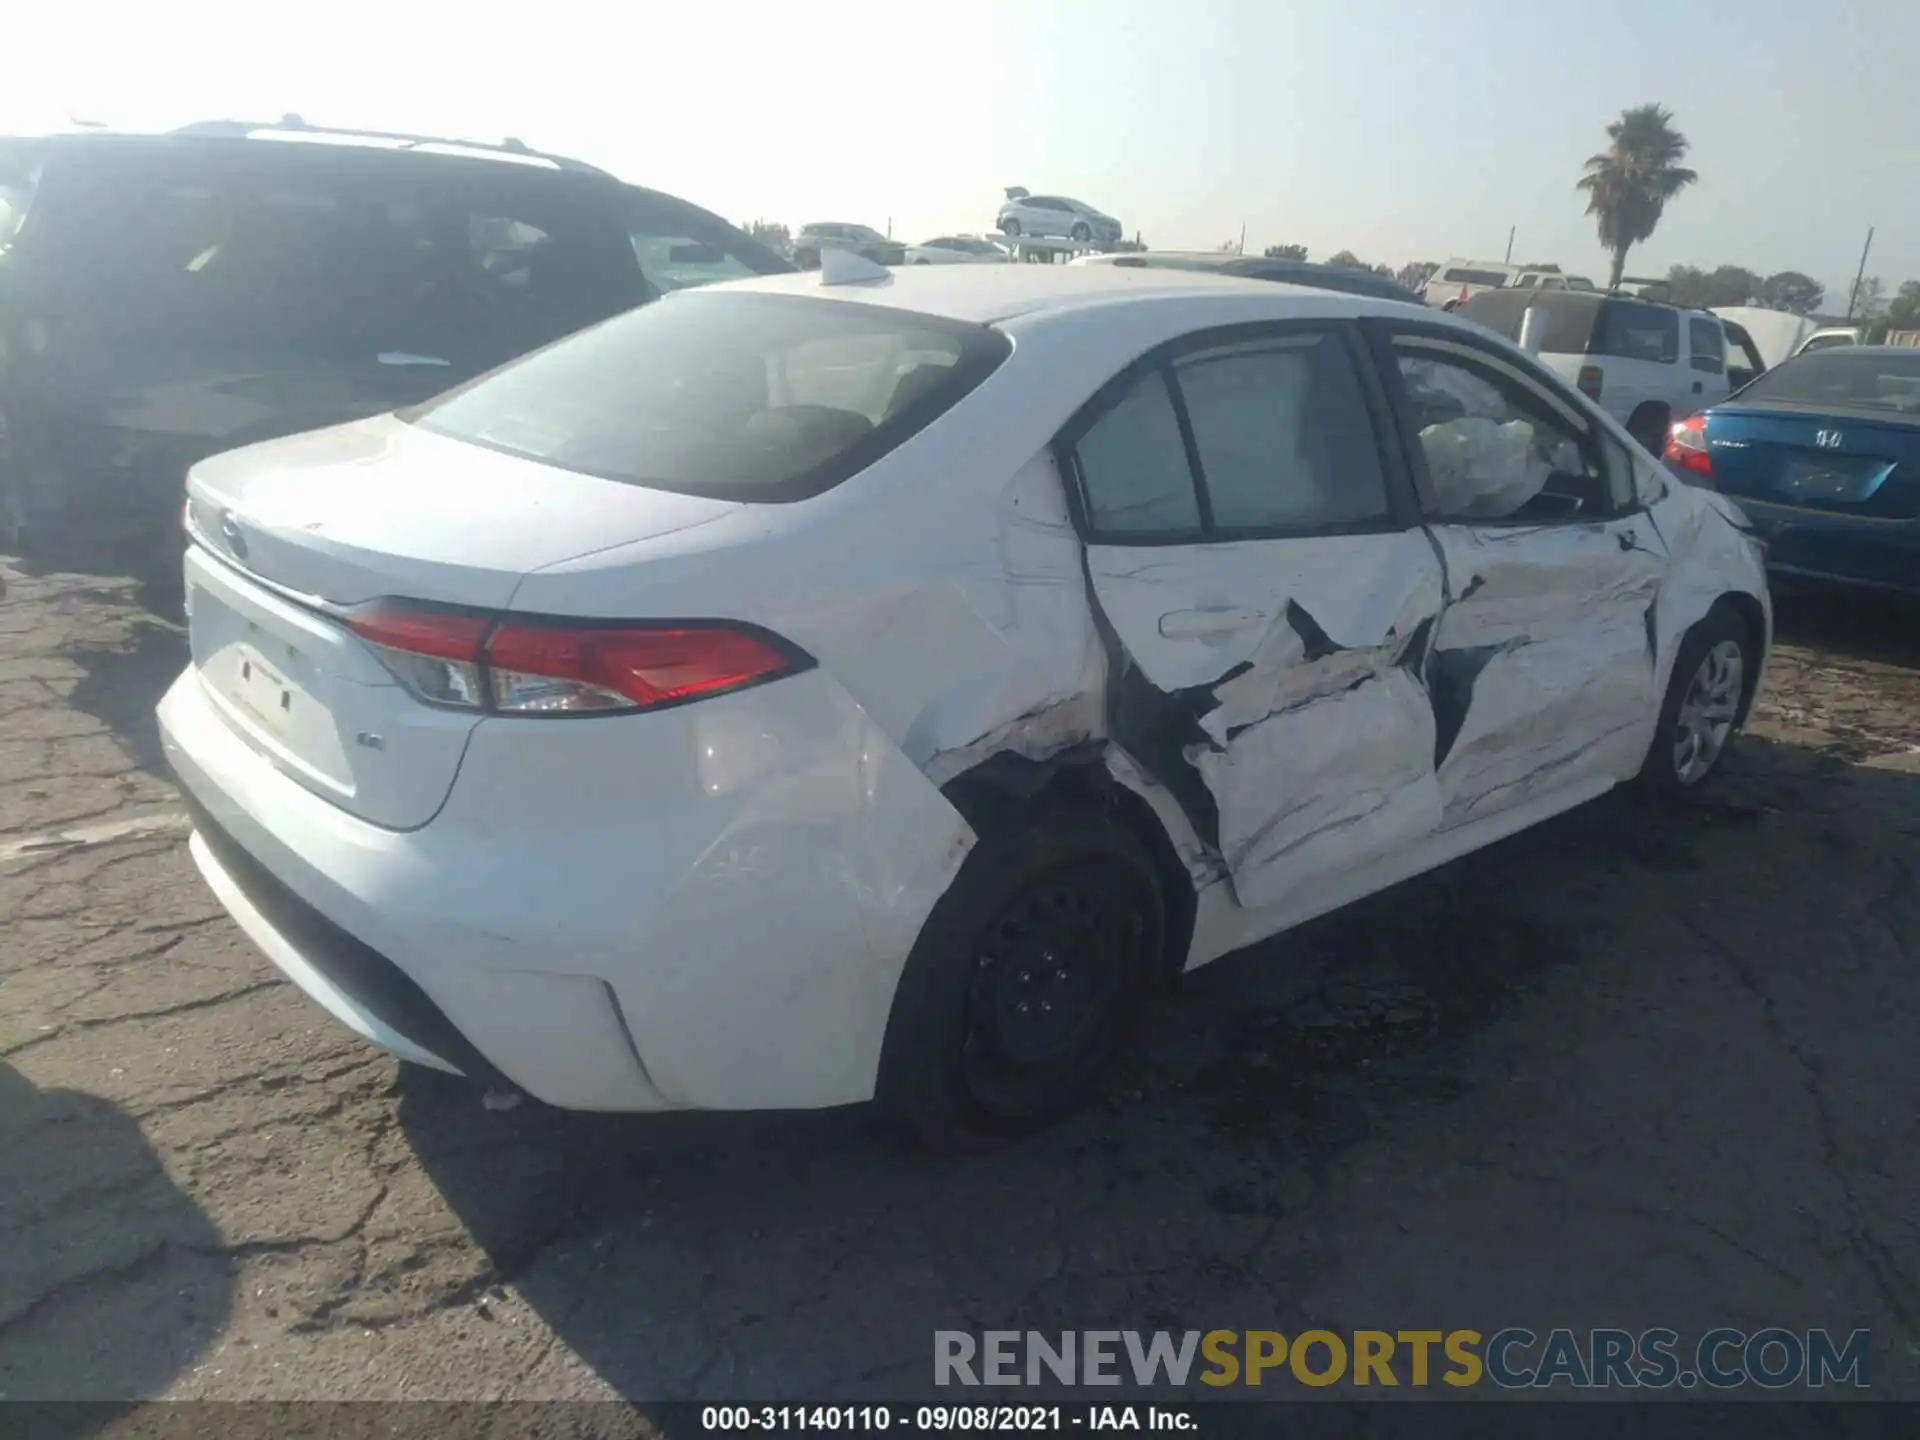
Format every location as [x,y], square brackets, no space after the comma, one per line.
[1029,978]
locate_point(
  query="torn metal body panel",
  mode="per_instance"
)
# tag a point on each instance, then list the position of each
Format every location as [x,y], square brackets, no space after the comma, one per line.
[1540,674]
[1262,683]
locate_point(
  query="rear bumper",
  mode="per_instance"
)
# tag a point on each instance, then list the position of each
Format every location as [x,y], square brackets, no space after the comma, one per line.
[1880,554]
[705,908]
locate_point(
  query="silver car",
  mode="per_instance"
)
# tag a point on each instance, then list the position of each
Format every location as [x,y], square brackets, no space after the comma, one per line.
[1055,217]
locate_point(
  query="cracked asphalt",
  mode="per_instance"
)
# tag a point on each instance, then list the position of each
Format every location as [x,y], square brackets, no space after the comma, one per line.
[1638,1067]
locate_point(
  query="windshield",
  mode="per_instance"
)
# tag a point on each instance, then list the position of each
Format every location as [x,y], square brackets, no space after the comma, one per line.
[735,396]
[1843,378]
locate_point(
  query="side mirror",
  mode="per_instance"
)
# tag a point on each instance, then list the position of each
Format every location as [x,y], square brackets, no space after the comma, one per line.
[1533,329]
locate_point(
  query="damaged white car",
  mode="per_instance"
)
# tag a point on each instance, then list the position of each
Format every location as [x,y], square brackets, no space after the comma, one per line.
[872,686]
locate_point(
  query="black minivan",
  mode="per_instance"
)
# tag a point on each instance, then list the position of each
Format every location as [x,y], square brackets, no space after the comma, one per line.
[165,297]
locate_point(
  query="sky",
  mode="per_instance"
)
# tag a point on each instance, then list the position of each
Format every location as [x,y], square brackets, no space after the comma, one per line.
[1398,129]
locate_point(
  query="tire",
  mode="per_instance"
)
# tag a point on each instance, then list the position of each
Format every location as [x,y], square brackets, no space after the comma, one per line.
[1648,426]
[1705,702]
[1080,232]
[923,261]
[1010,227]
[1062,909]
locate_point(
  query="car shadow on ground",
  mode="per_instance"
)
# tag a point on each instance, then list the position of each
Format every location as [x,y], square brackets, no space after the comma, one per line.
[1840,620]
[122,680]
[1588,1073]
[144,548]
[125,1282]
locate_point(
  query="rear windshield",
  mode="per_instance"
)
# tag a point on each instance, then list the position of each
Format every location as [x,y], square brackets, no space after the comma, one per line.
[739,397]
[1843,378]
[1461,276]
[1584,324]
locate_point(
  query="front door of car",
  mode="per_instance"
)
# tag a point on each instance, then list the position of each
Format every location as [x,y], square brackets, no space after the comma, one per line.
[1266,597]
[1542,665]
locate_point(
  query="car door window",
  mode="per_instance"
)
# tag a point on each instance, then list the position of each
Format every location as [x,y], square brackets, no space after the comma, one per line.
[1283,437]
[1134,475]
[1496,447]
[1708,344]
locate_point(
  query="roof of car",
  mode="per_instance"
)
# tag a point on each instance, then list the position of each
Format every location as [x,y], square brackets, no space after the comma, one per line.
[291,130]
[989,293]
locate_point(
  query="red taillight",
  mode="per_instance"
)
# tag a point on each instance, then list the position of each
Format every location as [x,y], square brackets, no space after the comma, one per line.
[514,667]
[1591,379]
[443,634]
[545,669]
[1687,447]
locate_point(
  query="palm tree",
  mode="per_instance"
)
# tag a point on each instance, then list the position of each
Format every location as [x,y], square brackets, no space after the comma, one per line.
[1629,183]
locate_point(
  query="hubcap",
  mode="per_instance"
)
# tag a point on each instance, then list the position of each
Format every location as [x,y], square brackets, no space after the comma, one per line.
[1707,712]
[1047,988]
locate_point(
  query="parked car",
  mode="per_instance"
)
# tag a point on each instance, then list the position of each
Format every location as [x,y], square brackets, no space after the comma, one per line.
[1458,281]
[1055,217]
[957,250]
[168,296]
[1258,267]
[863,240]
[1823,455]
[1647,364]
[796,692]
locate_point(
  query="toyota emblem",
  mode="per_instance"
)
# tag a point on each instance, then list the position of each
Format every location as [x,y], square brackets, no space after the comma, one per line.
[230,529]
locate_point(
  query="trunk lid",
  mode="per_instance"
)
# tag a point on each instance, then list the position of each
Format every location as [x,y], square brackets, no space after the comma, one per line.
[1837,462]
[381,507]
[289,533]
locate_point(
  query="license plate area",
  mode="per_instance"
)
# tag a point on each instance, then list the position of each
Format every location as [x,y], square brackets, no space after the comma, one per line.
[262,691]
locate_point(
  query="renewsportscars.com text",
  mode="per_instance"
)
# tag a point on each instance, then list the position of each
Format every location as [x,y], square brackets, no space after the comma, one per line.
[1774,1358]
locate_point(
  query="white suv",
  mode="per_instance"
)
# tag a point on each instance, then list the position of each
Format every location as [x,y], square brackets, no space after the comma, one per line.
[1646,364]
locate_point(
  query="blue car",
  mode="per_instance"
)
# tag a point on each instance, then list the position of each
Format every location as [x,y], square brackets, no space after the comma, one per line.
[1823,453]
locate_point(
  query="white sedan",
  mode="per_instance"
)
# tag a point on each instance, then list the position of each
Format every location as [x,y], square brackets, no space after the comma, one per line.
[957,250]
[873,685]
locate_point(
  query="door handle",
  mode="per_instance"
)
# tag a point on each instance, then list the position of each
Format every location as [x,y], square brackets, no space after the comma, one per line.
[1194,624]
[1697,386]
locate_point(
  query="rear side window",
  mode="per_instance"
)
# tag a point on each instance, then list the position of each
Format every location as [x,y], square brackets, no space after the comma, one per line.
[736,396]
[1283,437]
[1133,466]
[1633,331]
[1281,443]
[1708,344]
[1463,276]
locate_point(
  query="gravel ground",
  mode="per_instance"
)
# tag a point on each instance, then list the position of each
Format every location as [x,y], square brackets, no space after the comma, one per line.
[1637,1068]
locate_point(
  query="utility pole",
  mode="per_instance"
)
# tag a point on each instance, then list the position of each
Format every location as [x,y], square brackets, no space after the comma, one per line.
[1243,237]
[1510,230]
[1854,294]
